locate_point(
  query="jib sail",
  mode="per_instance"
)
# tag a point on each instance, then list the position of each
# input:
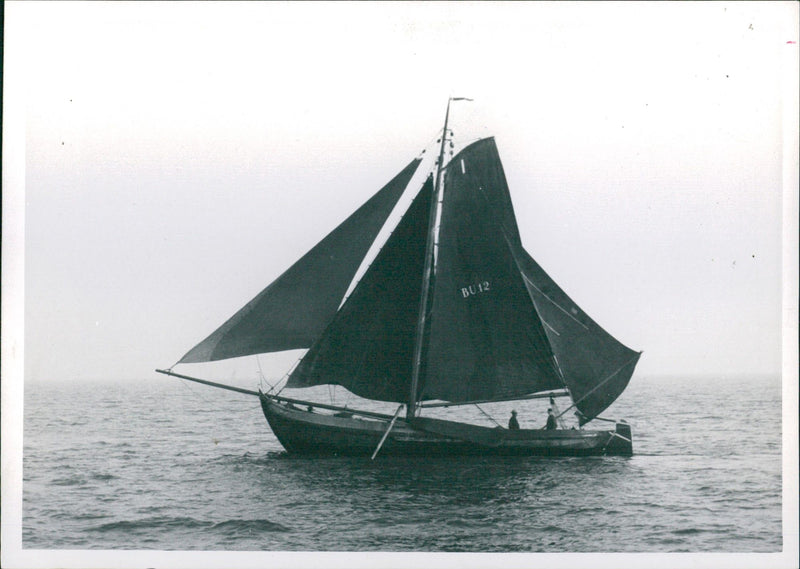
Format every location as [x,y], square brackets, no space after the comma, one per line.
[293,311]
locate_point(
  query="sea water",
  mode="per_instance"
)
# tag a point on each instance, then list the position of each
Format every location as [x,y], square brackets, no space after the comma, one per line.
[163,464]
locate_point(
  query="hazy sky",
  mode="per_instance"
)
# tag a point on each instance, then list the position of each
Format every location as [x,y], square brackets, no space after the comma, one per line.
[180,156]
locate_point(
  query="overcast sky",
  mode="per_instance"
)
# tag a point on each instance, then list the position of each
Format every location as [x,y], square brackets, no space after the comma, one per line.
[180,156]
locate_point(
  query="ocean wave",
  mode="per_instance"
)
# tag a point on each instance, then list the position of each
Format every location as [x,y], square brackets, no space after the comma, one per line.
[74,480]
[553,529]
[687,531]
[279,454]
[103,476]
[150,523]
[584,510]
[173,489]
[235,526]
[250,526]
[239,460]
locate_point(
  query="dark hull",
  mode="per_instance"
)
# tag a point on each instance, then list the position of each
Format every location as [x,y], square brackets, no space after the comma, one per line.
[308,433]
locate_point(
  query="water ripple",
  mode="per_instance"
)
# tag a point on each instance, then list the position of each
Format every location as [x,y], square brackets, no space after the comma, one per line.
[148,483]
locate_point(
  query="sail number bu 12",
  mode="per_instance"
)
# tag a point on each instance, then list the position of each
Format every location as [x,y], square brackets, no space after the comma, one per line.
[474,289]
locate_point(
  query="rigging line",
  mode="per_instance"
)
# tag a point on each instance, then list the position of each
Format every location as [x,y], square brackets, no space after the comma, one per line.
[554,407]
[530,282]
[212,403]
[258,363]
[262,379]
[611,436]
[348,395]
[604,419]
[551,328]
[286,375]
[272,387]
[487,415]
[599,385]
[561,374]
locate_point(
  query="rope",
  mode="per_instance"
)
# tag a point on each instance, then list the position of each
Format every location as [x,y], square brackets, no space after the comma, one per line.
[286,375]
[188,385]
[553,302]
[611,438]
[487,415]
[262,380]
[604,419]
[599,385]
[191,389]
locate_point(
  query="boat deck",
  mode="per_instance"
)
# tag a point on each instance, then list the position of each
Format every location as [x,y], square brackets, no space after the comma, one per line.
[307,432]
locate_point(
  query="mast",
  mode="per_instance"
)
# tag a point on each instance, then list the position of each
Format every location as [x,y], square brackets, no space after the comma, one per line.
[411,409]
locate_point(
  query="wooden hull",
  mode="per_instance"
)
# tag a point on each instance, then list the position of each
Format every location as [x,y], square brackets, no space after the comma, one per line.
[310,433]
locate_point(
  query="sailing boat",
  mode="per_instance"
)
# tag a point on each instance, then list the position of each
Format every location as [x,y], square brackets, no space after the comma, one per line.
[452,311]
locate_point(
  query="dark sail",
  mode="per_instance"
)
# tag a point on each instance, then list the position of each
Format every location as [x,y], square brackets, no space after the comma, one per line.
[368,347]
[293,311]
[596,367]
[486,340]
[486,173]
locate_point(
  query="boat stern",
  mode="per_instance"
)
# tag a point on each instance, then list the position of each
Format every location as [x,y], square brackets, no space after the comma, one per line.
[621,440]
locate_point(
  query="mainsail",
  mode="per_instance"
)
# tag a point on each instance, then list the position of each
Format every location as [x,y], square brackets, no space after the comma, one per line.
[486,340]
[294,310]
[500,327]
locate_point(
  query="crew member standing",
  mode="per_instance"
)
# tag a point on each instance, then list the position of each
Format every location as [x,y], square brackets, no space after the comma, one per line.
[513,424]
[551,421]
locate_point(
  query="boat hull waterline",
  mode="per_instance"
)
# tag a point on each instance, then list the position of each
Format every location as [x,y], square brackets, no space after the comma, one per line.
[305,432]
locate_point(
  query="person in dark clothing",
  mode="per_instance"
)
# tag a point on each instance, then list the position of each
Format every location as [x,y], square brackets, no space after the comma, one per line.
[551,421]
[513,424]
